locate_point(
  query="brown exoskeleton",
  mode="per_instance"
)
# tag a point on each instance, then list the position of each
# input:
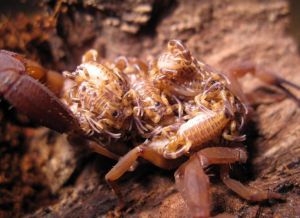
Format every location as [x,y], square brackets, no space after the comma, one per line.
[205,128]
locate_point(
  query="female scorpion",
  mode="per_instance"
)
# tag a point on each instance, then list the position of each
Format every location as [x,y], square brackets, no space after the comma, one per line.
[203,114]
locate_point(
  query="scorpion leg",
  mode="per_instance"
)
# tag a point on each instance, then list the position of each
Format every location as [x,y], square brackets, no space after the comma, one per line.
[248,193]
[264,75]
[127,161]
[100,149]
[193,183]
[179,106]
[96,147]
[90,55]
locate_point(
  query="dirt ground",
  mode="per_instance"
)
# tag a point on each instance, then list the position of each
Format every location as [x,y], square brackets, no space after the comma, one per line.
[42,175]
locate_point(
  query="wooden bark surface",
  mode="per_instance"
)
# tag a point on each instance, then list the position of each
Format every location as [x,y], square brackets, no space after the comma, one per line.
[219,32]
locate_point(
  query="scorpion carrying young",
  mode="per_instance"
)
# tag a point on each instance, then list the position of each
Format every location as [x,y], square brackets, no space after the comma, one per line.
[189,115]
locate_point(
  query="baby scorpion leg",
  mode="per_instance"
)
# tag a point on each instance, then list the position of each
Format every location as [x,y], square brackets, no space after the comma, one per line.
[193,183]
[248,193]
[262,74]
[165,101]
[179,106]
[139,110]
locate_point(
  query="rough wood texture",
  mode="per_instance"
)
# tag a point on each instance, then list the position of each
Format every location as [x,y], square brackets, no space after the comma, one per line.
[220,33]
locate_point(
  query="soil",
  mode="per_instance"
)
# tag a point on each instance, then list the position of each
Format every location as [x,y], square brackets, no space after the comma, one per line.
[42,175]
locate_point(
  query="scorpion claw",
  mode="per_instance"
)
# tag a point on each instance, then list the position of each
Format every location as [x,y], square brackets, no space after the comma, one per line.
[31,97]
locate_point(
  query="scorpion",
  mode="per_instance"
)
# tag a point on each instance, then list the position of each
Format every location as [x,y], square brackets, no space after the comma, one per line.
[198,122]
[96,97]
[150,105]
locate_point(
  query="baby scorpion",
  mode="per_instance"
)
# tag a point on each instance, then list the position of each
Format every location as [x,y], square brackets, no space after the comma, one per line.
[97,97]
[150,106]
[200,116]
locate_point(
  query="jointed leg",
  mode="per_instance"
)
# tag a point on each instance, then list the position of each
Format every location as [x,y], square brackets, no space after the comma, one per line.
[193,183]
[138,110]
[121,168]
[100,149]
[262,74]
[128,160]
[178,106]
[248,193]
